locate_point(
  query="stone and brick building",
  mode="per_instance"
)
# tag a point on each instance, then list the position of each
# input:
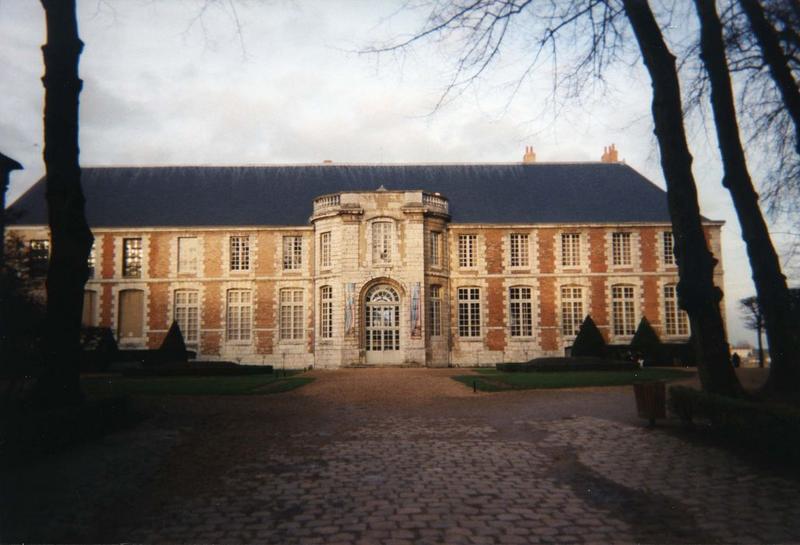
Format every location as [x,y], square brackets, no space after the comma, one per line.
[335,264]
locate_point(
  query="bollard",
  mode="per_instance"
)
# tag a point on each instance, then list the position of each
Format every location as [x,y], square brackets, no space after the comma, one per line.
[474,386]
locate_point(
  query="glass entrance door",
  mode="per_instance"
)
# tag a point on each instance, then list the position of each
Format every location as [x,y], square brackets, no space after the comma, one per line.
[382,325]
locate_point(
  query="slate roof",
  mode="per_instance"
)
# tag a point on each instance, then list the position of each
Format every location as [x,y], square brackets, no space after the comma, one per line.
[183,196]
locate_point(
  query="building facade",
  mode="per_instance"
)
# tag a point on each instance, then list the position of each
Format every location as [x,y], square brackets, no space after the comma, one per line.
[428,265]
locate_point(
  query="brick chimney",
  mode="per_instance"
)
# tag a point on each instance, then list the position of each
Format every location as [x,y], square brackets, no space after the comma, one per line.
[610,154]
[530,155]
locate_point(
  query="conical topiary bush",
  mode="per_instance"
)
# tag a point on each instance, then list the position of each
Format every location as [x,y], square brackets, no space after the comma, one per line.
[589,341]
[646,343]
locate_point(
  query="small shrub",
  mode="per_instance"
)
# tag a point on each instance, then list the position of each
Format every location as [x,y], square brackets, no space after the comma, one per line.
[567,364]
[589,341]
[768,429]
[646,343]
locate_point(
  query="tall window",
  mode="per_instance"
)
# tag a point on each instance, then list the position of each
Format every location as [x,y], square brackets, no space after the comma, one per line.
[621,248]
[187,254]
[519,250]
[132,257]
[89,302]
[469,312]
[326,312]
[131,314]
[240,253]
[91,261]
[434,247]
[291,315]
[382,242]
[187,314]
[570,249]
[623,311]
[435,311]
[239,315]
[466,250]
[325,250]
[668,245]
[38,256]
[571,310]
[676,322]
[292,253]
[520,308]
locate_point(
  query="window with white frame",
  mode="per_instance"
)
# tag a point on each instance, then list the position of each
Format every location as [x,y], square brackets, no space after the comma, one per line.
[239,315]
[187,254]
[435,248]
[292,253]
[326,312]
[571,310]
[466,250]
[469,312]
[668,246]
[38,257]
[435,311]
[91,261]
[291,314]
[520,311]
[187,314]
[676,321]
[382,242]
[519,250]
[623,309]
[132,257]
[570,249]
[621,249]
[240,253]
[325,250]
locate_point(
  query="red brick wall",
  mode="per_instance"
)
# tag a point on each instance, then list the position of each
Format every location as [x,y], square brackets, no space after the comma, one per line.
[597,250]
[494,250]
[496,335]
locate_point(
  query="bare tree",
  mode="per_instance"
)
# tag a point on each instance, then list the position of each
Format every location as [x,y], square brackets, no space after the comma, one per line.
[753,319]
[69,231]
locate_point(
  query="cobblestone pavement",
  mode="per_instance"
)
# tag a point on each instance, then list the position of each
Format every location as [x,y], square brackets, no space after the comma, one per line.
[409,456]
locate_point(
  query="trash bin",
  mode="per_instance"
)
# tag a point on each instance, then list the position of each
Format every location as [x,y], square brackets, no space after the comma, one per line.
[651,400]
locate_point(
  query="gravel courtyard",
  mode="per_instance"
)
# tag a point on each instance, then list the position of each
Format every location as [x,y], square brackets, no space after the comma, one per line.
[397,456]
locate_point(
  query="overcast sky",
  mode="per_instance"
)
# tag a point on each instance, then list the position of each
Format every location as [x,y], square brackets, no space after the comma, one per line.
[167,82]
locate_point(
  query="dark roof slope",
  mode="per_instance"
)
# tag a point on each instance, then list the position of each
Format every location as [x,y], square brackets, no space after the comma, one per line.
[283,195]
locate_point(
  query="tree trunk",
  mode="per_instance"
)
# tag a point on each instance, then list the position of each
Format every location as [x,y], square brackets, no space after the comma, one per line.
[71,239]
[774,300]
[773,55]
[696,290]
[760,349]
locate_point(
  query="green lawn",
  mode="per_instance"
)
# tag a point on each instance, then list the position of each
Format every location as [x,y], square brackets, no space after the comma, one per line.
[230,385]
[491,380]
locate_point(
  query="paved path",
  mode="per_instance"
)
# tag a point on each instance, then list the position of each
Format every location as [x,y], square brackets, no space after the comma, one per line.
[409,456]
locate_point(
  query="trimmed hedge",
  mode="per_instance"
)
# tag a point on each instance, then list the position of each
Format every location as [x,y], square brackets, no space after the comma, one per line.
[768,429]
[200,370]
[567,364]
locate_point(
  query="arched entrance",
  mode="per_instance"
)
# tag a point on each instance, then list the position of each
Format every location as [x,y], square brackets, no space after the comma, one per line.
[382,325]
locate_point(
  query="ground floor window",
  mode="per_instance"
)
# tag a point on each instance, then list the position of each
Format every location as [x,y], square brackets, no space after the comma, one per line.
[291,316]
[571,310]
[239,315]
[131,314]
[382,319]
[676,321]
[520,312]
[469,312]
[326,312]
[187,314]
[435,311]
[623,310]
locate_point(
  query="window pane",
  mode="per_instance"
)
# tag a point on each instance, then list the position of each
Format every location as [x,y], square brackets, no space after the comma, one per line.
[240,253]
[132,257]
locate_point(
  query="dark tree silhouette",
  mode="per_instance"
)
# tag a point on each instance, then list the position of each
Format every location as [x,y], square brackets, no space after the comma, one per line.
[71,239]
[589,341]
[771,287]
[646,342]
[753,319]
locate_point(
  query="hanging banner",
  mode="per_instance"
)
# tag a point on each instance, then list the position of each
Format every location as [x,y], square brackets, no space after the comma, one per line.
[349,307]
[416,322]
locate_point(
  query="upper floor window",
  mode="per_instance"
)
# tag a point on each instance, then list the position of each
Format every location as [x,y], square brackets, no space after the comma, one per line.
[187,314]
[291,313]
[466,250]
[676,321]
[240,253]
[570,249]
[382,242]
[668,246]
[621,249]
[435,248]
[435,311]
[38,257]
[187,254]
[91,261]
[132,257]
[239,315]
[325,250]
[292,253]
[519,250]
[623,310]
[326,312]
[571,310]
[520,312]
[469,312]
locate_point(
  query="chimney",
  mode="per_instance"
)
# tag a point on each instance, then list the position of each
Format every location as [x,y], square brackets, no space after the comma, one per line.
[610,154]
[530,156]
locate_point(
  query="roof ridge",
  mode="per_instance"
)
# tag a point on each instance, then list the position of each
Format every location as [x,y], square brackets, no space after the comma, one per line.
[422,163]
